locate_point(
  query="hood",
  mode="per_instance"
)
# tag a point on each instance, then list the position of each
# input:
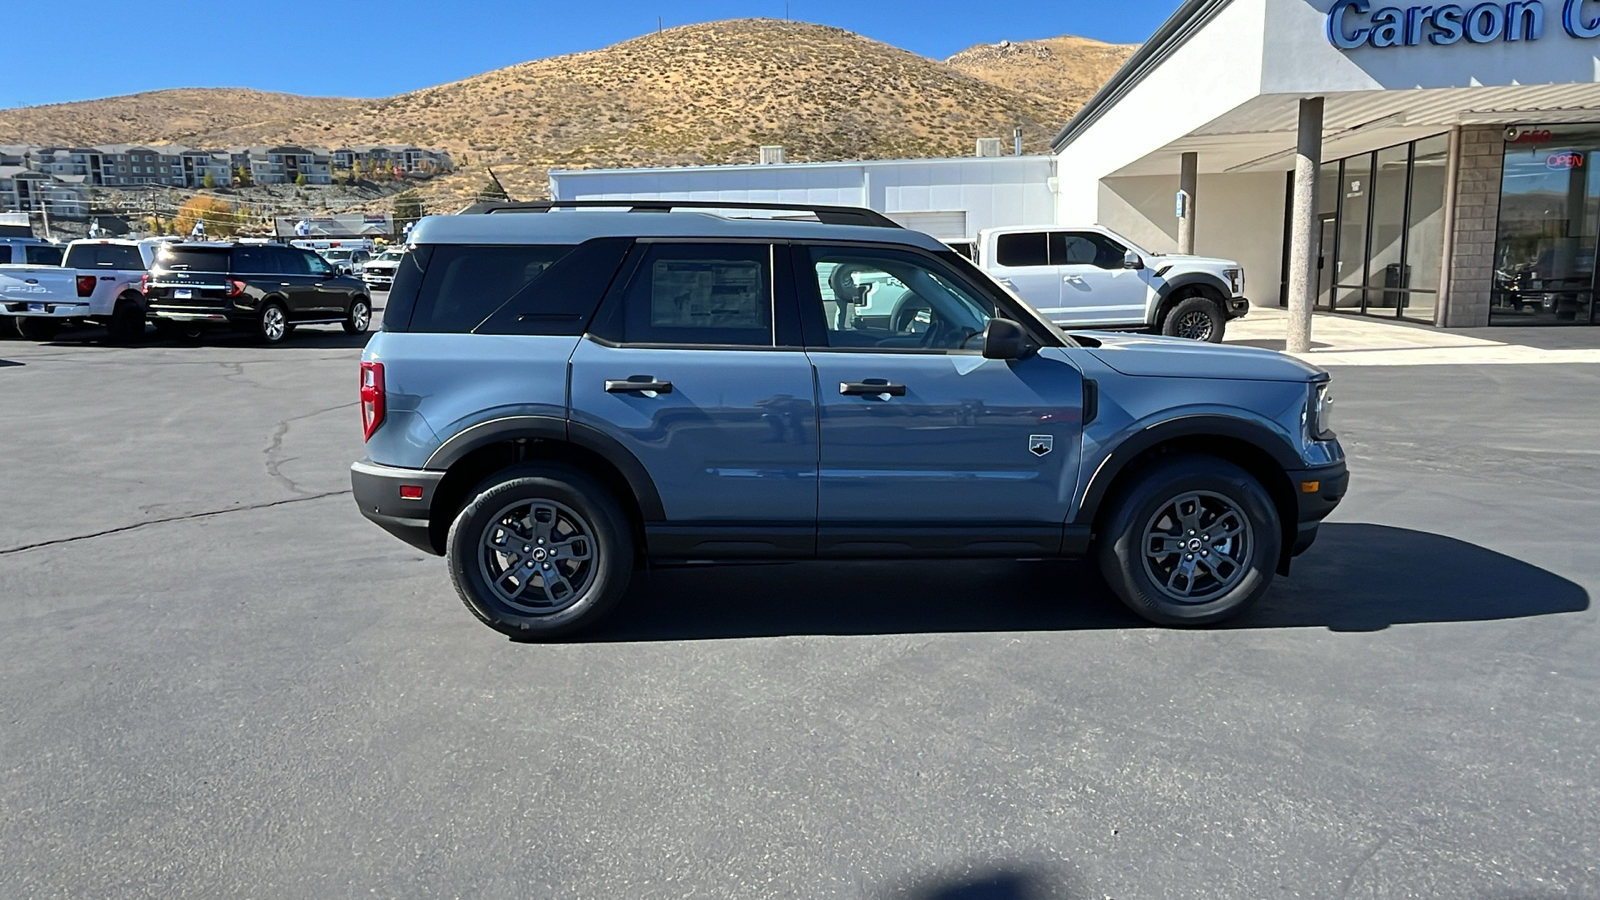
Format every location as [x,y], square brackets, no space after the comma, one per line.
[1179,260]
[1164,357]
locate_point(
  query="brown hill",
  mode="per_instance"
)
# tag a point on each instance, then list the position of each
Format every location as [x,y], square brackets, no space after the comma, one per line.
[709,93]
[181,116]
[1067,69]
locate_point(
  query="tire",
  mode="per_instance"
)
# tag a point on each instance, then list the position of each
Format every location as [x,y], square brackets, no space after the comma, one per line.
[1197,318]
[1154,515]
[38,328]
[527,504]
[127,322]
[272,323]
[358,317]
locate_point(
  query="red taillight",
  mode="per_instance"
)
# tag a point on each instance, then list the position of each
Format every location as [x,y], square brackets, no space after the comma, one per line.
[85,285]
[144,283]
[235,288]
[371,398]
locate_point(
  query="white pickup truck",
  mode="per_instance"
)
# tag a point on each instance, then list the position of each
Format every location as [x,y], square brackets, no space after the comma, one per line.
[1093,277]
[99,281]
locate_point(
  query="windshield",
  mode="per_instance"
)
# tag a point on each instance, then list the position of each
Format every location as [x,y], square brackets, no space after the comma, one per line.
[390,256]
[335,255]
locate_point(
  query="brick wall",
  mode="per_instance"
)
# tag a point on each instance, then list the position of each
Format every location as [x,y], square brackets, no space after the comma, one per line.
[1477,215]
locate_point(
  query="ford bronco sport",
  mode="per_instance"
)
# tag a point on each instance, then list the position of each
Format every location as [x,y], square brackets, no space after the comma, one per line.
[560,395]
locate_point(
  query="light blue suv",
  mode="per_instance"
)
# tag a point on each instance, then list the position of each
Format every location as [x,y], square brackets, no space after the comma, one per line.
[560,395]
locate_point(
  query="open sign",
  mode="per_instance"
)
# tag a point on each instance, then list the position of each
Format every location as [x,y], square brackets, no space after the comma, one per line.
[1566,159]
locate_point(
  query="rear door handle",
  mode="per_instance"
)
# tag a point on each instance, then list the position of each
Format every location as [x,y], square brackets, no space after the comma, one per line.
[638,384]
[871,387]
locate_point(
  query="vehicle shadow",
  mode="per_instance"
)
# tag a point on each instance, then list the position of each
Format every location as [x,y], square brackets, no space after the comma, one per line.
[1011,881]
[1358,577]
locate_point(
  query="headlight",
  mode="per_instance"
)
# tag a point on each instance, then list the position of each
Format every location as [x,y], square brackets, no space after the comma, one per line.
[1319,413]
[1235,280]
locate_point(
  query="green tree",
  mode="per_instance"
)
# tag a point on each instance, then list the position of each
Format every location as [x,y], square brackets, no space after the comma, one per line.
[300,179]
[408,208]
[492,191]
[209,181]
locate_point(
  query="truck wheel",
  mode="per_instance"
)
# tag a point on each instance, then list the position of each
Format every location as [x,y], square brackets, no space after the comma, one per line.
[127,322]
[540,551]
[359,316]
[272,324]
[38,328]
[1195,318]
[1194,541]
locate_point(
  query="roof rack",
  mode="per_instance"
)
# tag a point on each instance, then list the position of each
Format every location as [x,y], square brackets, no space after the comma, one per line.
[827,215]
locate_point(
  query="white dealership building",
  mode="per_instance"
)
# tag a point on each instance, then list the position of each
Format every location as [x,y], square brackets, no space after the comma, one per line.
[1451,147]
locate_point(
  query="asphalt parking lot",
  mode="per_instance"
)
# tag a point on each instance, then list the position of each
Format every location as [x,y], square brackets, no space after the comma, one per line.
[218,680]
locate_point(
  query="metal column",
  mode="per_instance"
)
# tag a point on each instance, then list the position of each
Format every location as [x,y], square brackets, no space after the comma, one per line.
[1302,234]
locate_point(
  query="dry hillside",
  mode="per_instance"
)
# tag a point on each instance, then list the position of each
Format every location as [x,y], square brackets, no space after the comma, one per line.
[183,116]
[709,93]
[1068,69]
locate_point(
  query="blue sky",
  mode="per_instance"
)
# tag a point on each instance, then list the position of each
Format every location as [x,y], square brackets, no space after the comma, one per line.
[374,48]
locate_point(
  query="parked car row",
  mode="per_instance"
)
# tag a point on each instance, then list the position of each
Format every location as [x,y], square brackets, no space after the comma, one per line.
[183,288]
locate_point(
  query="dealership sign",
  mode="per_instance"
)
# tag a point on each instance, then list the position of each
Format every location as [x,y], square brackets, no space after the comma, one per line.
[1354,23]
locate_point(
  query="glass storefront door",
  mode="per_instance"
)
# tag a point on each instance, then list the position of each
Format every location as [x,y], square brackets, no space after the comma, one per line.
[1380,231]
[1549,226]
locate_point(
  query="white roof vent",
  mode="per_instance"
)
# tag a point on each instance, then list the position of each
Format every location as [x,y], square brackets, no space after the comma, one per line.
[988,147]
[772,155]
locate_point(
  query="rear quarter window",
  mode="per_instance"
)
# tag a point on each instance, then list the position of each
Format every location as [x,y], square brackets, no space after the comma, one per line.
[502,289]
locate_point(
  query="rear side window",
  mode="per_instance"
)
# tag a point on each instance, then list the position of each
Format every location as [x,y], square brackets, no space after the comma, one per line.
[1022,249]
[193,259]
[464,285]
[40,255]
[104,256]
[707,294]
[255,260]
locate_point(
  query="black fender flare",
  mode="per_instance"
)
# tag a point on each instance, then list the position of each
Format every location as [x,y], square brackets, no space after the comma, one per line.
[1164,295]
[555,428]
[1274,445]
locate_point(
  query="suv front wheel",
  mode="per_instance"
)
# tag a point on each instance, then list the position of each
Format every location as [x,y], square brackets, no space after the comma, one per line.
[540,551]
[1195,541]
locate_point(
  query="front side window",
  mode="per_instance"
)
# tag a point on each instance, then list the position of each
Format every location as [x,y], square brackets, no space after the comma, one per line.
[883,299]
[708,294]
[318,267]
[1085,248]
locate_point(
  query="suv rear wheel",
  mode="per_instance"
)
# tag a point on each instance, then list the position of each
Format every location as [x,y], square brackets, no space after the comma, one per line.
[359,316]
[1196,318]
[1193,542]
[272,324]
[540,551]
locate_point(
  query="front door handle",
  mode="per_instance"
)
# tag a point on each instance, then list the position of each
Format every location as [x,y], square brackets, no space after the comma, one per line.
[872,387]
[638,384]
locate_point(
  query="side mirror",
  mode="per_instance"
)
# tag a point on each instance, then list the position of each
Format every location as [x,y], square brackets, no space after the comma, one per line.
[1132,260]
[1005,339]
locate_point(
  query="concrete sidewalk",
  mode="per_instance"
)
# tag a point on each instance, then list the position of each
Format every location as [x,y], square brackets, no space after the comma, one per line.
[1351,340]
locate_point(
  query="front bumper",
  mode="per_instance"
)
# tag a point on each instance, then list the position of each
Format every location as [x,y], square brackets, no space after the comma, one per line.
[1317,491]
[1238,307]
[44,309]
[376,489]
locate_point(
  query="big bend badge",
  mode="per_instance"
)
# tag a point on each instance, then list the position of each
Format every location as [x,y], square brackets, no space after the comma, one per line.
[1040,444]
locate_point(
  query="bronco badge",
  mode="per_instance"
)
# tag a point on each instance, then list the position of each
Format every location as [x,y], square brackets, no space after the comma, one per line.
[1040,444]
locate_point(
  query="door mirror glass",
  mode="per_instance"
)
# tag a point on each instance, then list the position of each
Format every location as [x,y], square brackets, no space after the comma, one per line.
[1005,339]
[1132,260]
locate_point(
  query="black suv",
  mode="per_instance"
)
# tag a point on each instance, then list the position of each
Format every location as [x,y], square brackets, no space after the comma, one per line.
[265,289]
